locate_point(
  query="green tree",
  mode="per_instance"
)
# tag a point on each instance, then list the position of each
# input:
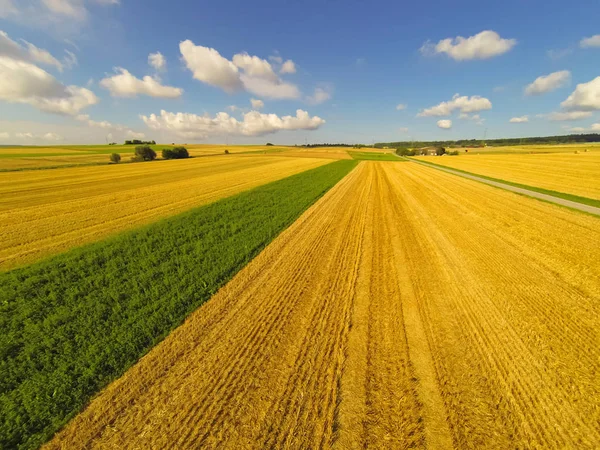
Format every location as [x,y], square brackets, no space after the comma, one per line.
[144,153]
[115,157]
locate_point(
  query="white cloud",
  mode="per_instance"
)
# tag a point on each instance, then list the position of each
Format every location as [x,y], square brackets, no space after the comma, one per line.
[124,84]
[548,83]
[265,88]
[592,41]
[585,97]
[571,115]
[254,66]
[92,123]
[400,106]
[288,67]
[70,60]
[232,108]
[247,72]
[4,135]
[52,137]
[484,45]
[403,129]
[463,104]
[210,67]
[47,136]
[23,82]
[73,9]
[257,104]
[444,124]
[157,60]
[254,123]
[595,127]
[276,59]
[522,119]
[134,135]
[320,95]
[7,8]
[28,53]
[577,129]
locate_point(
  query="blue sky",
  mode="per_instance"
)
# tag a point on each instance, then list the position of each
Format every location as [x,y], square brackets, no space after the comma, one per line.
[352,64]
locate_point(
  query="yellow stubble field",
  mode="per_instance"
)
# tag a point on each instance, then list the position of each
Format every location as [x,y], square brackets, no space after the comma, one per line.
[406,308]
[571,173]
[44,212]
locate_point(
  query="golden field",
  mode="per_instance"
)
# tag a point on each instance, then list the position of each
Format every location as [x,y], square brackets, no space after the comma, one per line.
[406,308]
[44,212]
[571,173]
[533,148]
[24,158]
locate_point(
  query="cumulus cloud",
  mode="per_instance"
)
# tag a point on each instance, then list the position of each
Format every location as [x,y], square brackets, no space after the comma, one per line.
[52,137]
[254,66]
[522,119]
[595,127]
[135,135]
[157,60]
[288,67]
[463,104]
[23,82]
[244,72]
[257,104]
[254,123]
[28,53]
[585,97]
[400,106]
[124,84]
[97,124]
[577,129]
[564,116]
[484,45]
[266,88]
[4,135]
[320,95]
[548,83]
[444,124]
[592,41]
[208,66]
[46,136]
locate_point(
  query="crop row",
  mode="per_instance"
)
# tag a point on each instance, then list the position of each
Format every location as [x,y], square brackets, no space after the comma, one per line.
[75,322]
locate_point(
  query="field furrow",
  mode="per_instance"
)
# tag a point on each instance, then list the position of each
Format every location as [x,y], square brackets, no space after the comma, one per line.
[408,308]
[46,212]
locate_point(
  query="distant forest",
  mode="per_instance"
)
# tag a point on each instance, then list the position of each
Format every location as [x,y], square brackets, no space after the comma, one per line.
[569,139]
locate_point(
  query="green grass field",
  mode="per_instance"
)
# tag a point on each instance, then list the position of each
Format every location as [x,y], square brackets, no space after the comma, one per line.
[372,156]
[73,323]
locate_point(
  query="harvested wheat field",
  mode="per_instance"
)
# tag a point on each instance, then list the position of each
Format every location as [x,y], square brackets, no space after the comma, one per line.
[406,308]
[45,212]
[576,174]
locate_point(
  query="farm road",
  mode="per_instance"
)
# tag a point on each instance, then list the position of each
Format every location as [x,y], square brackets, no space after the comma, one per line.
[548,198]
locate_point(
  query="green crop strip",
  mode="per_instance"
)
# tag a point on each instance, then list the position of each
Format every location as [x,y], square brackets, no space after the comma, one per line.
[75,322]
[563,195]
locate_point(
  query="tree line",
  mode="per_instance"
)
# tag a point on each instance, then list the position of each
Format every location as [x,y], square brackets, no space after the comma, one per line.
[567,139]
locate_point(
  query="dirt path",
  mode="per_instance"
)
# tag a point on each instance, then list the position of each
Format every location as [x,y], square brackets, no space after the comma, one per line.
[395,313]
[548,198]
